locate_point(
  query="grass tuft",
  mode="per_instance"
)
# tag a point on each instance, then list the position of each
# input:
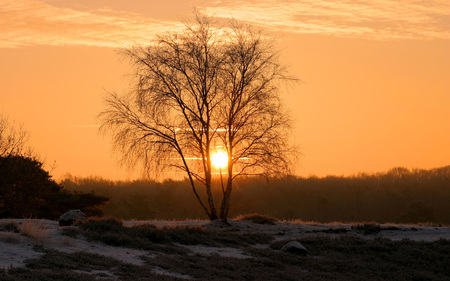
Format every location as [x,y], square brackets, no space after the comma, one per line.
[33,228]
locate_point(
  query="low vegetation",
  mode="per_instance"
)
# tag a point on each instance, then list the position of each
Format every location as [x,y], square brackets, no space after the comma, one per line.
[112,232]
[342,258]
[346,258]
[79,266]
[372,228]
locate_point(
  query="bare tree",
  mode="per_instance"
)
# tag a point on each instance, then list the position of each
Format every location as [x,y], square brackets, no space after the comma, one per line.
[13,138]
[207,87]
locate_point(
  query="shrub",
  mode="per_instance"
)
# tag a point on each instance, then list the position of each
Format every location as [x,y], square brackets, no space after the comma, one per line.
[367,228]
[258,218]
[26,190]
[372,228]
[102,225]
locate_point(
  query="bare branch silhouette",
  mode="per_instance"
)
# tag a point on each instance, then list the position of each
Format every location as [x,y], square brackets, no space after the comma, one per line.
[13,139]
[206,87]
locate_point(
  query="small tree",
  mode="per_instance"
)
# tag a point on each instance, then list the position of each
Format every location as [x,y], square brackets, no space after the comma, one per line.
[24,186]
[207,89]
[26,190]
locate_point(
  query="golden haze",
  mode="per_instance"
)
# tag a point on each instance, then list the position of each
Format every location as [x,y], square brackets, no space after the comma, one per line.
[375,91]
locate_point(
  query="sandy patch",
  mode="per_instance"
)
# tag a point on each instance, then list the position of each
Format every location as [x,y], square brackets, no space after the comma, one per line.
[15,254]
[221,251]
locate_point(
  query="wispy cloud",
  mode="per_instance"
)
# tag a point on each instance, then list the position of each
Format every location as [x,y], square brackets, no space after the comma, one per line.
[36,22]
[369,19]
[33,22]
[87,126]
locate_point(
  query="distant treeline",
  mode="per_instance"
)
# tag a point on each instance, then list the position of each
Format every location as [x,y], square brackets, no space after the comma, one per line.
[399,196]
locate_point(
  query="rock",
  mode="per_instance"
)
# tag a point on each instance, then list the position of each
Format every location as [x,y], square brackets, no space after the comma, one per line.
[294,247]
[70,217]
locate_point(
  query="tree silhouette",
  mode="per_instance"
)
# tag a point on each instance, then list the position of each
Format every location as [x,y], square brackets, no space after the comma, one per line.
[27,190]
[206,89]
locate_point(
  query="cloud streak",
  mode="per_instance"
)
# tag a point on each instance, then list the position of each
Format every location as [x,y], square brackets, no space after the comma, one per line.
[32,22]
[35,22]
[368,19]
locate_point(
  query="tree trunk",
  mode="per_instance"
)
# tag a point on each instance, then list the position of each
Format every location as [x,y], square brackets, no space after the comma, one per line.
[213,212]
[199,199]
[225,207]
[212,207]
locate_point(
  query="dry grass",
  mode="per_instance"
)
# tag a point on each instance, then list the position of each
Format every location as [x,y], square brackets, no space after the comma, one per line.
[33,228]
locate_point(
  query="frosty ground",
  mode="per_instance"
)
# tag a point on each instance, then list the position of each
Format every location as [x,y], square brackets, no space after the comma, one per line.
[178,259]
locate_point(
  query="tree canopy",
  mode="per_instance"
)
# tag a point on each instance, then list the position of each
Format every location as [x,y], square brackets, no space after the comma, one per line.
[27,190]
[207,89]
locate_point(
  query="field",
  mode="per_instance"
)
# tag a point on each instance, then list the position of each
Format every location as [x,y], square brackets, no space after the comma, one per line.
[247,249]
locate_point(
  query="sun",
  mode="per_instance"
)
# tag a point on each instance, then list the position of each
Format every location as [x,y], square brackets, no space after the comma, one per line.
[219,159]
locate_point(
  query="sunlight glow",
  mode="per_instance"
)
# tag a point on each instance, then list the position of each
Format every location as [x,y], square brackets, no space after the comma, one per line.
[219,159]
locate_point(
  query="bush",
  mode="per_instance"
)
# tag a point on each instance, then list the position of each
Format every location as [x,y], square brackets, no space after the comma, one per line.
[103,225]
[258,218]
[367,228]
[27,190]
[372,228]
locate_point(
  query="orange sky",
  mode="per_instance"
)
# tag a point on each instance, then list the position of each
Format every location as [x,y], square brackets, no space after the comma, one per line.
[376,91]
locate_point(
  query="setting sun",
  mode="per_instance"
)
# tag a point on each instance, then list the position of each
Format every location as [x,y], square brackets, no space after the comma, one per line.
[219,159]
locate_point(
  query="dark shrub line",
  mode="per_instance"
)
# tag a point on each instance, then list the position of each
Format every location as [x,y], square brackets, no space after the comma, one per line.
[258,218]
[111,231]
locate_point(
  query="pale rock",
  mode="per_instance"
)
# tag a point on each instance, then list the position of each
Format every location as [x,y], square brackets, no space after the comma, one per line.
[294,247]
[70,217]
